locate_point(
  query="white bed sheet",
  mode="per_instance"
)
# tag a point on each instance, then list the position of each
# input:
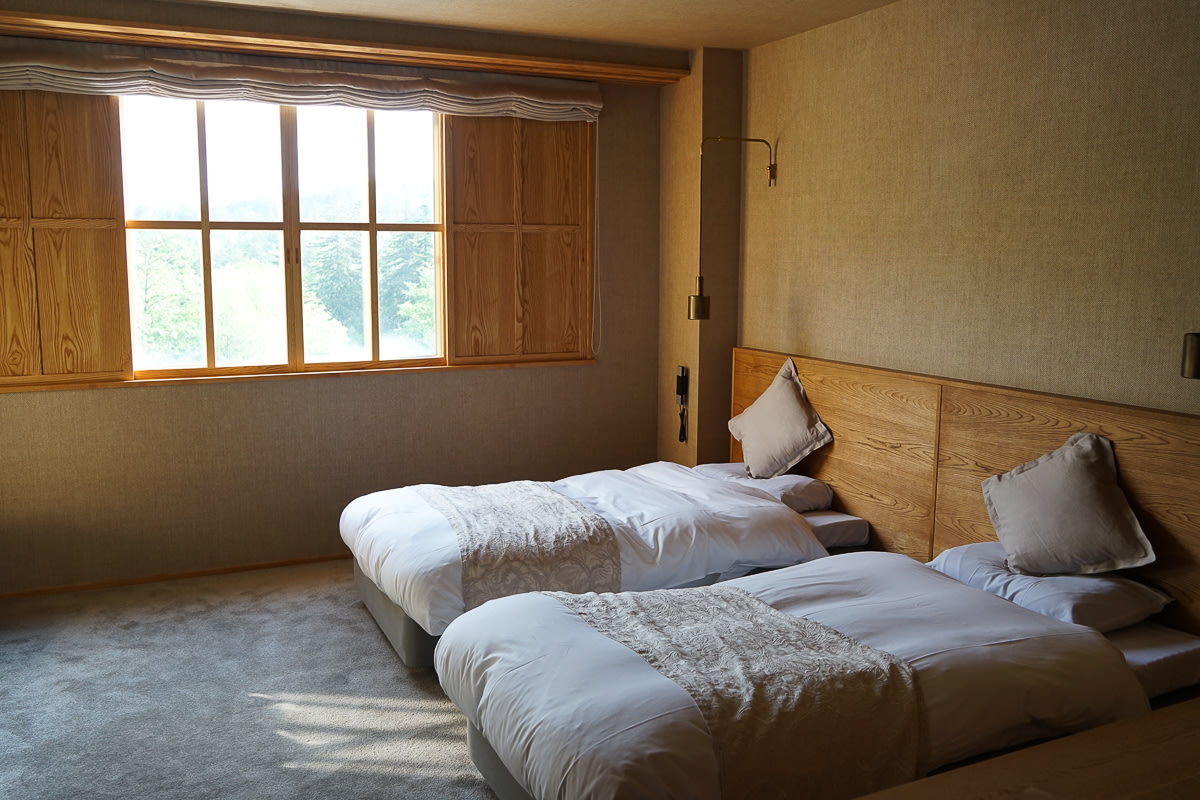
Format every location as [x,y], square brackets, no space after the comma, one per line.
[572,713]
[1164,659]
[674,527]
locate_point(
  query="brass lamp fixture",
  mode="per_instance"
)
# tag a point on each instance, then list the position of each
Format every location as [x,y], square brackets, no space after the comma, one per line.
[772,167]
[1191,355]
[698,303]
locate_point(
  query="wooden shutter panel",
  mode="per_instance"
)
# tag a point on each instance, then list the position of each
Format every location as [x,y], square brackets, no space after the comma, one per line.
[519,239]
[19,354]
[75,289]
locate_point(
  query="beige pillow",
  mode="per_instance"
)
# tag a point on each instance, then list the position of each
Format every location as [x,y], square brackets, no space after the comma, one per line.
[1064,514]
[780,427]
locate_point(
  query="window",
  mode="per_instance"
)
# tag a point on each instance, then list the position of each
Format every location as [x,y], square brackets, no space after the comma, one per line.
[239,211]
[148,237]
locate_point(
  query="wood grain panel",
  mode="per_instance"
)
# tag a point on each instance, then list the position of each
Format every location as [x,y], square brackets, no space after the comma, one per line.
[14,173]
[555,173]
[1144,757]
[883,456]
[481,159]
[550,294]
[526,184]
[74,156]
[987,431]
[19,355]
[83,299]
[484,292]
[19,347]
[910,452]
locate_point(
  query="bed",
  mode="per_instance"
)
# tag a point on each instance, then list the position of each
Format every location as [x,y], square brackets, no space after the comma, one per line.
[664,525]
[572,696]
[570,711]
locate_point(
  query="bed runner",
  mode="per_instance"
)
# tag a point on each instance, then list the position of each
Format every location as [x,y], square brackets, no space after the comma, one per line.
[523,536]
[794,708]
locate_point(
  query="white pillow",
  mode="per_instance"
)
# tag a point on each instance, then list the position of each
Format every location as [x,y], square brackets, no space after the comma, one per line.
[780,427]
[1103,602]
[834,529]
[1064,514]
[799,492]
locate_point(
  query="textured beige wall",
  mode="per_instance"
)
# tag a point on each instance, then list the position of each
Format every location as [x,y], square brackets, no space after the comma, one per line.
[113,484]
[720,247]
[997,191]
[706,103]
[679,251]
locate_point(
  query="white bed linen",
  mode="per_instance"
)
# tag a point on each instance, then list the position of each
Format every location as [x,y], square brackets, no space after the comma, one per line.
[1163,658]
[573,714]
[834,529]
[674,527]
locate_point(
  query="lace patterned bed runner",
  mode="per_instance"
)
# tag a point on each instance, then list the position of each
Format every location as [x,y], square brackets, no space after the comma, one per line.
[794,708]
[523,536]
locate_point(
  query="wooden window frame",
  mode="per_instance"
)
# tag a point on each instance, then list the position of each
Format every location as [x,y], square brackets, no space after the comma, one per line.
[28,309]
[291,228]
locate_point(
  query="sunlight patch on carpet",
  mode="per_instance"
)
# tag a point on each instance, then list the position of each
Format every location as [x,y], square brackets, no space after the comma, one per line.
[369,735]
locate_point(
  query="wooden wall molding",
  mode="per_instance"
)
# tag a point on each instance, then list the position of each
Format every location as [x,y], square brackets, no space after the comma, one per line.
[49,26]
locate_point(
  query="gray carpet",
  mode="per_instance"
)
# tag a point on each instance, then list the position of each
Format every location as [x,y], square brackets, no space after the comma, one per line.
[266,684]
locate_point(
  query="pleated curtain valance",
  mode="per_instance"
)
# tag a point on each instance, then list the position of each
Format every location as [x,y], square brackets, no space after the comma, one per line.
[85,68]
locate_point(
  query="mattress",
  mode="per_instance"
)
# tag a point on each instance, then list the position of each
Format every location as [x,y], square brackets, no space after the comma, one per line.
[570,712]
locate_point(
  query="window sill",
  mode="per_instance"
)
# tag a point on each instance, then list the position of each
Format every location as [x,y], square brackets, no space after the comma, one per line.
[85,382]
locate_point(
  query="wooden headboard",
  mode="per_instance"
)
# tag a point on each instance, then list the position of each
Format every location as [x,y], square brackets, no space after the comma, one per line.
[909,452]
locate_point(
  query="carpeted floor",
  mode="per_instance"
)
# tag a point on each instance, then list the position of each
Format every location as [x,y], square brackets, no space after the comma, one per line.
[267,684]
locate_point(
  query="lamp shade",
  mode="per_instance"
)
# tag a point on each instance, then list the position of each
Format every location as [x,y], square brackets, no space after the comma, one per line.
[1191,355]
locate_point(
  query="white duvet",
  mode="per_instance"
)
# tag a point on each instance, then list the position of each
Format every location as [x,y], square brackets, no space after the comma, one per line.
[574,714]
[674,527]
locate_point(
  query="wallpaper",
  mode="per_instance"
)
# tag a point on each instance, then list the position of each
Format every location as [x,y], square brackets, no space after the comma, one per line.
[1002,191]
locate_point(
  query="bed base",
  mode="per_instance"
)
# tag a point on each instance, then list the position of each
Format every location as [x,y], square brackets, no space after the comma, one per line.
[408,639]
[498,778]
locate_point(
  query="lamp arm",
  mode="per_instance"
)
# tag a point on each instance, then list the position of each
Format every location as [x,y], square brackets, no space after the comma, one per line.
[772,167]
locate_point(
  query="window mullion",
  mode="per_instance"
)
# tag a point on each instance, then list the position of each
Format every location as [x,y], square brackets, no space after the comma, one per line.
[294,294]
[519,335]
[210,346]
[371,287]
[441,305]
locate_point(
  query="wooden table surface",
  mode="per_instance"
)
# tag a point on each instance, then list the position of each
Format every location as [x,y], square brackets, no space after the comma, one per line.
[1156,755]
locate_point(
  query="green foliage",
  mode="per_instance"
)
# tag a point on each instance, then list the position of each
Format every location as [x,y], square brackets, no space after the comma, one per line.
[166,300]
[249,312]
[326,339]
[407,307]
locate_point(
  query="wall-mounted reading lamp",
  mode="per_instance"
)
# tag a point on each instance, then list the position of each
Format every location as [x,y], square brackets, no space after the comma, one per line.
[771,165]
[1191,355]
[698,302]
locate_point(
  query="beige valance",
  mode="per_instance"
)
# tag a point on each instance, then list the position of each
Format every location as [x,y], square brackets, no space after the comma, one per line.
[86,68]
